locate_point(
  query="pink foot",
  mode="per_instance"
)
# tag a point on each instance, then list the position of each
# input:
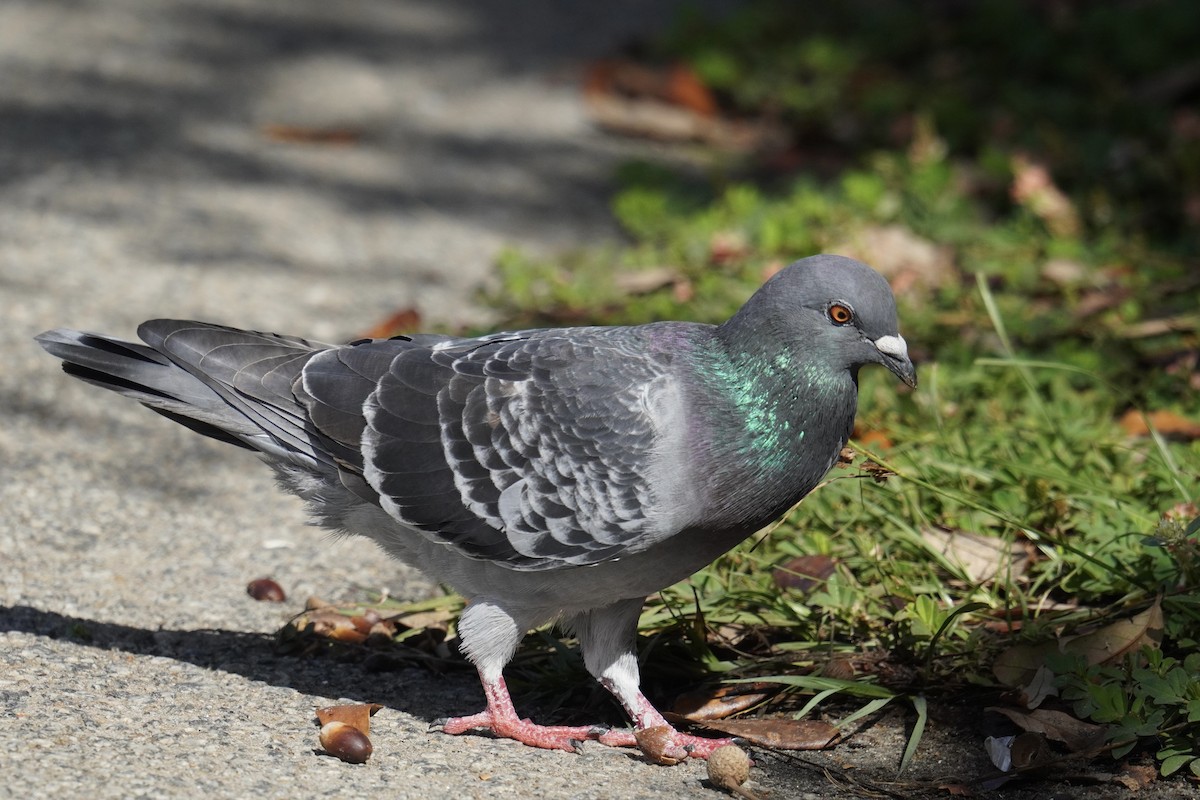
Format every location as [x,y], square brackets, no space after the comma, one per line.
[547,737]
[501,718]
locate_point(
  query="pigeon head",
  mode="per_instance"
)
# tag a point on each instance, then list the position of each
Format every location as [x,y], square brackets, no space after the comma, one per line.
[832,309]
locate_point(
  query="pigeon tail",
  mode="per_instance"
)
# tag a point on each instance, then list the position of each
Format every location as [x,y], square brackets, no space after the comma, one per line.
[229,385]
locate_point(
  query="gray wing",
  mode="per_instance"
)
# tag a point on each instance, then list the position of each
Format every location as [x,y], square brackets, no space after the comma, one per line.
[534,450]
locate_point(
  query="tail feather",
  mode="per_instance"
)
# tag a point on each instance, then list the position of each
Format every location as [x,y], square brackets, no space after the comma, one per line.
[231,385]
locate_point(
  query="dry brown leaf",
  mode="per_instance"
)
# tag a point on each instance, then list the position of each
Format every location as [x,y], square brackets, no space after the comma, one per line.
[669,104]
[722,701]
[1167,423]
[404,320]
[645,281]
[1136,776]
[1098,300]
[336,626]
[957,789]
[1116,639]
[1058,726]
[1029,750]
[435,619]
[356,715]
[299,134]
[840,669]
[981,558]
[676,84]
[1064,272]
[1033,188]
[872,440]
[1147,328]
[727,246]
[1018,665]
[804,574]
[1039,688]
[912,264]
[683,87]
[781,734]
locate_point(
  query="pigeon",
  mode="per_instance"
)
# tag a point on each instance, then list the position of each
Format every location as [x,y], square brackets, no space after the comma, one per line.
[556,474]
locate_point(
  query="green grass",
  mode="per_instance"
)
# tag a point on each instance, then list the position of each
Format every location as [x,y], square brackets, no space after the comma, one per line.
[1042,326]
[1012,435]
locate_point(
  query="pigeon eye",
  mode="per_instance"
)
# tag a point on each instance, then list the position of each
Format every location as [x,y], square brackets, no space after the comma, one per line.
[840,314]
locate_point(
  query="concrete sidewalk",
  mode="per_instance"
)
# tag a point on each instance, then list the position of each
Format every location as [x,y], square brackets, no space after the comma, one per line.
[135,182]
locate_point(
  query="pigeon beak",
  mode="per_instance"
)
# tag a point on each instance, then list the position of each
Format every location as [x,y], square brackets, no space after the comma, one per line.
[895,357]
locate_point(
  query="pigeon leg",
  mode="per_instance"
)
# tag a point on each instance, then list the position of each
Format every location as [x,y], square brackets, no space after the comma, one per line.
[490,633]
[679,745]
[501,718]
[607,636]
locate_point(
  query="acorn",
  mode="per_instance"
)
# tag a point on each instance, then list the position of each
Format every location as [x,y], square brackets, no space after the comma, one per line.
[345,742]
[655,743]
[729,768]
[267,590]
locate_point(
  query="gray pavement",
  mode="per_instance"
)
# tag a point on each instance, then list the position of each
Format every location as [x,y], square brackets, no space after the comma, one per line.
[135,182]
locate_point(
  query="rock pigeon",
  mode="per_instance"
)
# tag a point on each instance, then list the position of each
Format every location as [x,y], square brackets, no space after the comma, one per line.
[551,474]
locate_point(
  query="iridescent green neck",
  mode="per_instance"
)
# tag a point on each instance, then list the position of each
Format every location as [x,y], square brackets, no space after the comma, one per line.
[757,394]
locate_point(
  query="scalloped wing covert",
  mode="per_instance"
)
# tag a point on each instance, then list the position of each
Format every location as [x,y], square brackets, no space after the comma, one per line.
[531,449]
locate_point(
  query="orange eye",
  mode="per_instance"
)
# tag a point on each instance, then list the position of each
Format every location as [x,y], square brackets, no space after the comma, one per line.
[840,314]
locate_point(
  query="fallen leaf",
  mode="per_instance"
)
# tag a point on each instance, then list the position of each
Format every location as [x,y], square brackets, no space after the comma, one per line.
[405,320]
[1064,272]
[336,626]
[645,281]
[722,701]
[1116,639]
[1039,688]
[871,439]
[841,669]
[669,104]
[727,246]
[435,619]
[1030,750]
[683,87]
[1167,423]
[957,789]
[999,750]
[356,715]
[1136,776]
[299,134]
[1078,736]
[1034,189]
[912,264]
[804,574]
[1097,300]
[981,558]
[1018,665]
[780,734]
